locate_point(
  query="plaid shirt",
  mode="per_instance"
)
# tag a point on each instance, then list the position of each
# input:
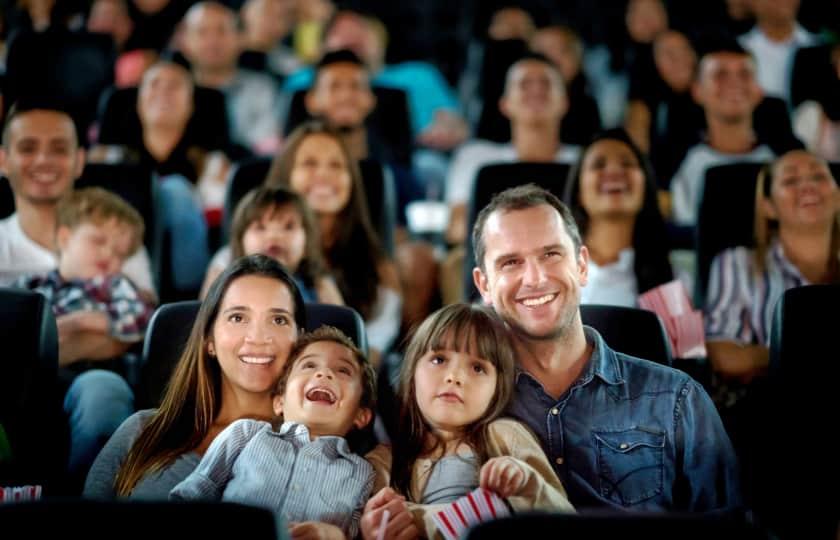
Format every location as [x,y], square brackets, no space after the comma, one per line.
[115,294]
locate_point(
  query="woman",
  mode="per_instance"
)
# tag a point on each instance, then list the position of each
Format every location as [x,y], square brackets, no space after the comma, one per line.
[612,194]
[797,233]
[236,351]
[166,142]
[315,163]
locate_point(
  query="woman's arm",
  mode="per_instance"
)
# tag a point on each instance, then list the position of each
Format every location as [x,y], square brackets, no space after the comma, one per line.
[327,291]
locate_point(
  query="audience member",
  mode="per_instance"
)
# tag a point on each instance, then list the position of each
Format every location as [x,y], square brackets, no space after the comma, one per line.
[327,390]
[99,312]
[611,192]
[110,17]
[278,223]
[211,42]
[797,232]
[620,432]
[236,351]
[266,24]
[535,102]
[317,164]
[773,42]
[41,158]
[727,90]
[455,383]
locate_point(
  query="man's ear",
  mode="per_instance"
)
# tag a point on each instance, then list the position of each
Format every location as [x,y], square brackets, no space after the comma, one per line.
[583,265]
[277,405]
[79,166]
[3,170]
[503,107]
[480,280]
[363,417]
[370,102]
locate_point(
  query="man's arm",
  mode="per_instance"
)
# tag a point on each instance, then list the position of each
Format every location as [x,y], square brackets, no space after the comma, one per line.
[84,335]
[708,478]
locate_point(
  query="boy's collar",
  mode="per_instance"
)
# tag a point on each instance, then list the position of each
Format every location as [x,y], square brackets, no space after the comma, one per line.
[300,432]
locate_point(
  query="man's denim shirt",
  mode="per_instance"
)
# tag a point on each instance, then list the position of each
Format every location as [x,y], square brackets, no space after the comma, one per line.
[632,434]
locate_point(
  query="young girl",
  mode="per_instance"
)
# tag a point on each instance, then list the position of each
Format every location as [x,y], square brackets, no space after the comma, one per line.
[276,222]
[455,384]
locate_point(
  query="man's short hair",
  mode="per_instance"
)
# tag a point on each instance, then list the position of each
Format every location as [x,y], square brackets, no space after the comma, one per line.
[341,56]
[718,44]
[96,205]
[333,335]
[532,56]
[521,198]
[26,105]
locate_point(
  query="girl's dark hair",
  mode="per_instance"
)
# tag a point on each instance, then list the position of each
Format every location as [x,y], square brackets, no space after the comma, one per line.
[263,199]
[651,264]
[459,327]
[193,396]
[356,252]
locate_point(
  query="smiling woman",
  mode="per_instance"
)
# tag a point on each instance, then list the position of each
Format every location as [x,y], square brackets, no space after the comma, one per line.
[238,346]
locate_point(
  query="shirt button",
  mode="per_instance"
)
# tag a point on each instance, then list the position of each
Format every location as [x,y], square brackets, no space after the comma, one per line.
[295,487]
[554,411]
[559,461]
[623,446]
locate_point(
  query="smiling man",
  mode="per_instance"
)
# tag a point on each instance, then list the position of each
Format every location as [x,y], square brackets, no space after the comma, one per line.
[620,432]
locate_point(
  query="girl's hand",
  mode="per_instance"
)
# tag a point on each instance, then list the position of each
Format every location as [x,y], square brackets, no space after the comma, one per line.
[503,475]
[315,530]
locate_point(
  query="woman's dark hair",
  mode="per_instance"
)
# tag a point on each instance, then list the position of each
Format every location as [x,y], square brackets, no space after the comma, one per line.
[356,251]
[470,328]
[651,265]
[193,396]
[263,199]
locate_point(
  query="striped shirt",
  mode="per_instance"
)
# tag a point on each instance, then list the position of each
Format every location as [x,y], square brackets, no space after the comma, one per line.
[740,301]
[297,478]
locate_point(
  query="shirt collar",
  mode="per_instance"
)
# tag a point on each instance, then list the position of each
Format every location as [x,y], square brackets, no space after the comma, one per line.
[300,434]
[602,363]
[777,252]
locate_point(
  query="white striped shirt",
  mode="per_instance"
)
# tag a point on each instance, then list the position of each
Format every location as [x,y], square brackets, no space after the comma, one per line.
[740,302]
[298,479]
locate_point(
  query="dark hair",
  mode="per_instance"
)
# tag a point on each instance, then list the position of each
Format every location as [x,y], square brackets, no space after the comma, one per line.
[651,265]
[521,198]
[334,335]
[193,395]
[27,105]
[533,56]
[717,43]
[356,252]
[342,56]
[264,199]
[97,205]
[460,327]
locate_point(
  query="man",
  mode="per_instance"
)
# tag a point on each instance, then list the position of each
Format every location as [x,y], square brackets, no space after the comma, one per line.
[621,432]
[773,42]
[211,43]
[41,158]
[341,94]
[727,90]
[535,102]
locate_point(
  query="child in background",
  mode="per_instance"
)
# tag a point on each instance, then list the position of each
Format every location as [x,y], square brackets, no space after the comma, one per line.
[99,311]
[456,381]
[276,222]
[302,468]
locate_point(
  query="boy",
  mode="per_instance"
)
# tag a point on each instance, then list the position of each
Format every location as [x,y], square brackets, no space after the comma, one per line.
[302,468]
[99,311]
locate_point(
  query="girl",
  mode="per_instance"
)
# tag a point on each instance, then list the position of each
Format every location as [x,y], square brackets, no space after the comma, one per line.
[276,222]
[612,194]
[316,164]
[456,381]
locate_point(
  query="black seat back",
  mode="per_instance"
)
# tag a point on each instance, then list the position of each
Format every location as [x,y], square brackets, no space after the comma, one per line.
[29,402]
[7,198]
[633,331]
[495,178]
[170,327]
[137,520]
[726,216]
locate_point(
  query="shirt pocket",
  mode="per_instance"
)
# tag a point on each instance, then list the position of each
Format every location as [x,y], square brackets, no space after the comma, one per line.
[630,464]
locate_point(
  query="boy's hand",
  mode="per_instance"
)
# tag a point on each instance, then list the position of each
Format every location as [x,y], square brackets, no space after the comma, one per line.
[315,530]
[503,475]
[400,521]
[81,321]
